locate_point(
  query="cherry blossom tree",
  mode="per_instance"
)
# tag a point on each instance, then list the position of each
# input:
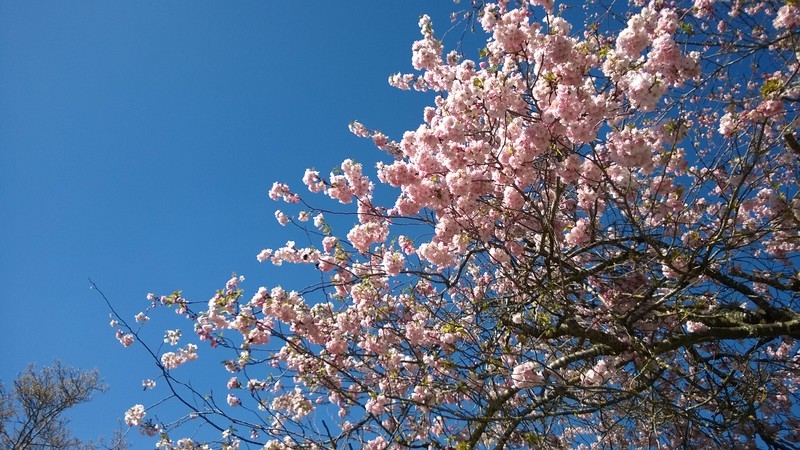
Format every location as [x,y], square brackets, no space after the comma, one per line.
[593,243]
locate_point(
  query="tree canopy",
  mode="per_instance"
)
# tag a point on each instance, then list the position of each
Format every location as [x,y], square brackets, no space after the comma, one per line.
[32,411]
[593,243]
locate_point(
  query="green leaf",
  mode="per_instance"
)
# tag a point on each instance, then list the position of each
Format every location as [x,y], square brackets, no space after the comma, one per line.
[770,87]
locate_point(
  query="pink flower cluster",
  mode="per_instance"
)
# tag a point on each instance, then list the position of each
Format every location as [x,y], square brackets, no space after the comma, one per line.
[126,339]
[526,376]
[135,415]
[171,360]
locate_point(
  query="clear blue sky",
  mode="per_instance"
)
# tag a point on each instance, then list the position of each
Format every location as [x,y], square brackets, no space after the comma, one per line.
[137,144]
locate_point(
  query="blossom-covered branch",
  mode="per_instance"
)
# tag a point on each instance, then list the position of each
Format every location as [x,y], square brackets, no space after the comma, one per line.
[593,244]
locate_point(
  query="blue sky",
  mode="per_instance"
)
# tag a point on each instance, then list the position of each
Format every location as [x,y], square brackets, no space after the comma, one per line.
[138,141]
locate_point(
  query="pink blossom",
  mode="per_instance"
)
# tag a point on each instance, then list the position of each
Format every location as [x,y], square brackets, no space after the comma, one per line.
[233,283]
[525,376]
[135,415]
[364,235]
[695,327]
[427,53]
[312,180]
[788,16]
[378,443]
[282,218]
[376,406]
[597,374]
[233,400]
[125,339]
[406,244]
[632,147]
[703,8]
[644,89]
[436,253]
[280,191]
[171,360]
[329,243]
[393,263]
[579,234]
[512,198]
[358,129]
[401,81]
[727,125]
[499,255]
[783,350]
[339,189]
[264,255]
[319,221]
[256,385]
[633,39]
[336,346]
[546,4]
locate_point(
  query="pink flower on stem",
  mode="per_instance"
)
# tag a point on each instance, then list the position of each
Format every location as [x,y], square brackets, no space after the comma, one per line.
[393,263]
[788,16]
[280,191]
[233,400]
[282,218]
[376,405]
[125,339]
[135,415]
[695,327]
[525,376]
